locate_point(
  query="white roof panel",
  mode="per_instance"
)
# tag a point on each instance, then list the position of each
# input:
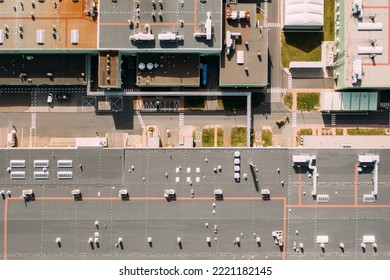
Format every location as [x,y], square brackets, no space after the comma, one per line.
[306,13]
[346,99]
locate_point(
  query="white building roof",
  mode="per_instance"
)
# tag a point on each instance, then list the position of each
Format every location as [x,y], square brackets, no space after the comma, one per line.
[304,14]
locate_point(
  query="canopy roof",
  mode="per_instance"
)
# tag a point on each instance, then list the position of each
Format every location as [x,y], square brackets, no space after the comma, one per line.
[304,14]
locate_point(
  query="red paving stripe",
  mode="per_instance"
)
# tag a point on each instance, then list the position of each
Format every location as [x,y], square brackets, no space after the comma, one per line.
[146,198]
[339,206]
[149,23]
[375,7]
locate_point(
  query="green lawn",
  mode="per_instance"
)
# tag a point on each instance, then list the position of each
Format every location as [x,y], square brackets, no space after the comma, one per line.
[339,131]
[194,102]
[208,137]
[366,131]
[238,137]
[288,100]
[308,101]
[305,131]
[239,102]
[306,46]
[220,141]
[266,136]
[329,20]
[301,46]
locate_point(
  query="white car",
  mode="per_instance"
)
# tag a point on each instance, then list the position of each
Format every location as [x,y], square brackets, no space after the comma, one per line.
[237,176]
[237,161]
[236,154]
[236,168]
[50,98]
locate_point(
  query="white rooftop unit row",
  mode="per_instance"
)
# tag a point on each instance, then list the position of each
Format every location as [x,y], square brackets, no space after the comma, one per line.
[40,36]
[370,26]
[208,28]
[322,198]
[369,50]
[369,198]
[240,57]
[64,175]
[306,64]
[2,36]
[302,159]
[349,101]
[303,14]
[369,159]
[367,239]
[170,36]
[18,175]
[41,175]
[74,36]
[141,37]
[322,239]
[41,163]
[64,163]
[357,68]
[18,163]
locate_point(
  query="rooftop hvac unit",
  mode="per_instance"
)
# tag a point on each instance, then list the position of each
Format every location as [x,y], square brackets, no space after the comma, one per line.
[41,175]
[322,198]
[40,36]
[2,36]
[41,163]
[17,163]
[64,175]
[74,36]
[17,175]
[369,198]
[64,163]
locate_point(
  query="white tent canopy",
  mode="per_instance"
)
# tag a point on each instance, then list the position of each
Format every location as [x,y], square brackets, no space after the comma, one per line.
[303,14]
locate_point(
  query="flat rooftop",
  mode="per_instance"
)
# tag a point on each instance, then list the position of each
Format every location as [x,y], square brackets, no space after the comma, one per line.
[47,25]
[176,22]
[168,70]
[109,69]
[31,228]
[373,69]
[42,69]
[255,52]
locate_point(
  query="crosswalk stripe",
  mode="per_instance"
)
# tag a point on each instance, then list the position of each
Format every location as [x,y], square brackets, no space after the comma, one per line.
[276,90]
[273,24]
[294,119]
[333,119]
[181,119]
[289,82]
[266,8]
[140,119]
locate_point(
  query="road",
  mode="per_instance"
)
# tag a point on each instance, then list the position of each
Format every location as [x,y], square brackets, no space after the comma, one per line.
[276,69]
